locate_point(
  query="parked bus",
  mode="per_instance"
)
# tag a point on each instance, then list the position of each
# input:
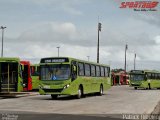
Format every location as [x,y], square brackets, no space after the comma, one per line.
[35,76]
[144,79]
[119,77]
[26,75]
[69,76]
[10,75]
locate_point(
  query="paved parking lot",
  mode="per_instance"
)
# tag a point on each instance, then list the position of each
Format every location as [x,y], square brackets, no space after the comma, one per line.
[118,100]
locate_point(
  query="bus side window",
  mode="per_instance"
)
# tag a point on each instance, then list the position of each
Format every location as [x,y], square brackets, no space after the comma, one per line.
[106,72]
[102,71]
[149,75]
[81,69]
[97,71]
[87,70]
[93,71]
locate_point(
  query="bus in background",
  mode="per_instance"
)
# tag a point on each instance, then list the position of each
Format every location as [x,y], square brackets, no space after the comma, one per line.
[26,75]
[69,76]
[119,77]
[35,76]
[145,79]
[10,76]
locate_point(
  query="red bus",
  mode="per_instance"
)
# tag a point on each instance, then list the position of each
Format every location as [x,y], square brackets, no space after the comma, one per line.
[26,75]
[119,77]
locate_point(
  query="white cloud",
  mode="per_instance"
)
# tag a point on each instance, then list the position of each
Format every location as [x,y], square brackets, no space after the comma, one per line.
[157,39]
[78,37]
[50,32]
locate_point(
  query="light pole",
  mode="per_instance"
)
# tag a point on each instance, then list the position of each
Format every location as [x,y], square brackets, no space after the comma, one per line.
[88,57]
[126,47]
[134,61]
[99,30]
[2,27]
[58,50]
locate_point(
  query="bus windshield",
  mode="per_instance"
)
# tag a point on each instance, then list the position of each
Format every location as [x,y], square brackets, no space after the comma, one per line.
[34,72]
[55,72]
[137,77]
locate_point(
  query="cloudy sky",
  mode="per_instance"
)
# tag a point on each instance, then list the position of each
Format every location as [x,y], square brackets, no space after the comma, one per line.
[36,27]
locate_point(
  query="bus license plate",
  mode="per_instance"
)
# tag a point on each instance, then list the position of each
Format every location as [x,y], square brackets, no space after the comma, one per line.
[46,87]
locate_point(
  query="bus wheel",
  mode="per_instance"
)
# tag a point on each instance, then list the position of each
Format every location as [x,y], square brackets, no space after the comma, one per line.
[135,88]
[149,86]
[101,90]
[80,92]
[54,96]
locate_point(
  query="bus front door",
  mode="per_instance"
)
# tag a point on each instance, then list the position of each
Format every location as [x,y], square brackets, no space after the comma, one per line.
[8,77]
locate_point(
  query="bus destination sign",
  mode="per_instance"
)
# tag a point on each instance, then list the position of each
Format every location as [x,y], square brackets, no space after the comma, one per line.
[54,60]
[137,71]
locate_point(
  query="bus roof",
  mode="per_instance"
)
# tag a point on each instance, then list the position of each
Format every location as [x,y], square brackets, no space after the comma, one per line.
[25,62]
[144,71]
[9,59]
[69,60]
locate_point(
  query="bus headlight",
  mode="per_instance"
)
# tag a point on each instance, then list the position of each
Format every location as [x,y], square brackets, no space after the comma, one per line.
[66,86]
[24,85]
[40,86]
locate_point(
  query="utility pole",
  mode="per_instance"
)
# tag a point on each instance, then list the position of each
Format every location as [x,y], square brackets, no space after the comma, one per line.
[2,27]
[99,30]
[134,61]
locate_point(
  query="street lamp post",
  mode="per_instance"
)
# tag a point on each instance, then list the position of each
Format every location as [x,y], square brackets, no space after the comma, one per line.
[58,50]
[134,61]
[126,47]
[88,57]
[2,27]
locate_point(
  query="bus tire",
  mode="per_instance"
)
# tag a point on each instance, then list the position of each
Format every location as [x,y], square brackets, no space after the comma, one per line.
[101,90]
[54,96]
[149,86]
[80,92]
[135,88]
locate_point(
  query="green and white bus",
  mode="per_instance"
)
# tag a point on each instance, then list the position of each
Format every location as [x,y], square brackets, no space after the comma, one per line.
[10,76]
[144,79]
[35,76]
[69,76]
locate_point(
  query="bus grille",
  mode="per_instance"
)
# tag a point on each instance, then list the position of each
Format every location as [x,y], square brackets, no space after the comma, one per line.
[53,90]
[135,84]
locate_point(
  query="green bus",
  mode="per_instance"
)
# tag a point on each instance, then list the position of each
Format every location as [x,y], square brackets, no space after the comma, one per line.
[69,76]
[35,76]
[10,75]
[145,79]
